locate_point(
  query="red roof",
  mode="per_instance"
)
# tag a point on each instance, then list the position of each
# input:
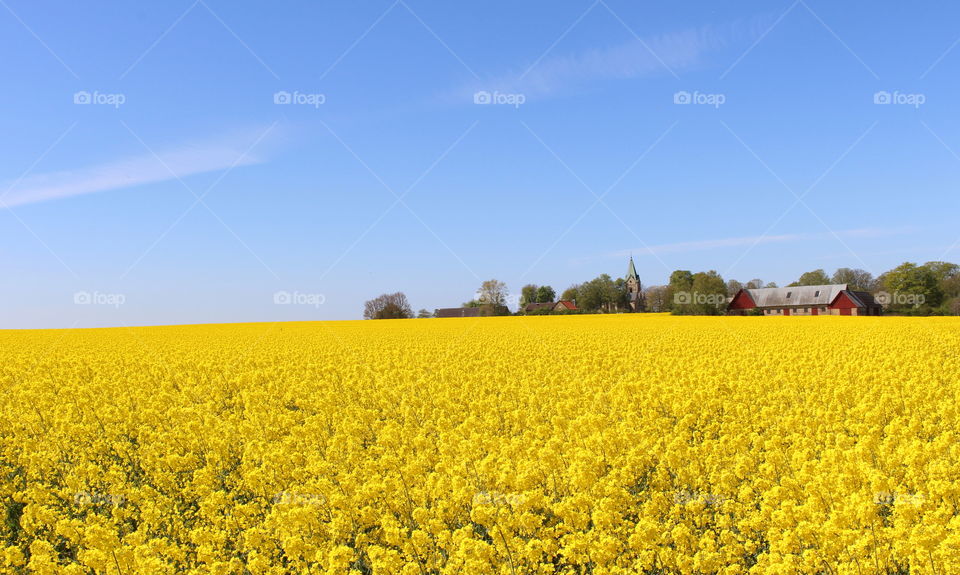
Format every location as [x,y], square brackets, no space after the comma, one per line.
[567,304]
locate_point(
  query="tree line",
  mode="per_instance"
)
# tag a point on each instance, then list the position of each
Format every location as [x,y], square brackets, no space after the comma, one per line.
[932,288]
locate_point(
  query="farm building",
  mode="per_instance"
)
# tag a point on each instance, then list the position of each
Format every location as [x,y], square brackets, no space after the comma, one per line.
[561,306]
[805,300]
[458,312]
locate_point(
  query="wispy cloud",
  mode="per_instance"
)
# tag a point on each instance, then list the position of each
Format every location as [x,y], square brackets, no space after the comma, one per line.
[711,244]
[169,164]
[662,54]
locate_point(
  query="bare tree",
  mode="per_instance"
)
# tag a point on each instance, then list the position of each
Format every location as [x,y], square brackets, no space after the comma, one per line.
[657,298]
[857,279]
[493,292]
[388,306]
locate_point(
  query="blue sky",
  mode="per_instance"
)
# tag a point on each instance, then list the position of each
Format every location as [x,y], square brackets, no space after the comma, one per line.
[183,162]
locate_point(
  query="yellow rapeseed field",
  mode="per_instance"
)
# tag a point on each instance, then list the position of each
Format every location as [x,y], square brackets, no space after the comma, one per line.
[584,444]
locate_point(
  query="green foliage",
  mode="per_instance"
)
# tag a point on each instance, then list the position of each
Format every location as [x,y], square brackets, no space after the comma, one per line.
[528,294]
[701,293]
[545,294]
[681,280]
[599,293]
[814,278]
[912,289]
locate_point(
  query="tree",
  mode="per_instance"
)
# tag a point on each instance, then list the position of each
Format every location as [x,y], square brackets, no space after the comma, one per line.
[591,295]
[493,292]
[953,307]
[545,294]
[656,298]
[856,279]
[814,278]
[948,280]
[771,284]
[680,291]
[911,289]
[528,294]
[710,294]
[572,293]
[492,296]
[733,286]
[423,313]
[943,270]
[598,294]
[951,287]
[681,279]
[388,306]
[756,283]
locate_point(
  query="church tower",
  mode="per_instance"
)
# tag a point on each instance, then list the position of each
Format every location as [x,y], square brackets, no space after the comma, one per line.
[634,299]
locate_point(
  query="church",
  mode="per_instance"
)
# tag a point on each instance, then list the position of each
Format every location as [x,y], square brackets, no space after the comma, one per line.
[634,295]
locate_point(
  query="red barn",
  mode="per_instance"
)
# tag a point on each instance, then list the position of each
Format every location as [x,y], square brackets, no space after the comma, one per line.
[804,300]
[849,302]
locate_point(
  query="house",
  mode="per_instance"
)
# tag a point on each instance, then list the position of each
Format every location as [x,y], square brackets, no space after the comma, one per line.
[833,299]
[535,307]
[558,306]
[458,312]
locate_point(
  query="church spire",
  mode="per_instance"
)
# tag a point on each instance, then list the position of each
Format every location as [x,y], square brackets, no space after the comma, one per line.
[632,271]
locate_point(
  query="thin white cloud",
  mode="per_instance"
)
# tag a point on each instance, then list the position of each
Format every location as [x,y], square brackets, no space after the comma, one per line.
[702,245]
[147,168]
[662,54]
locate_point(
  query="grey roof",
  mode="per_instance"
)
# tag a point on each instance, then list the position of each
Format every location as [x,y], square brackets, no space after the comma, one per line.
[799,295]
[458,312]
[863,299]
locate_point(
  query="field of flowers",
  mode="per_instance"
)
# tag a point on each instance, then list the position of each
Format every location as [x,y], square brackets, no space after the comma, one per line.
[585,444]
